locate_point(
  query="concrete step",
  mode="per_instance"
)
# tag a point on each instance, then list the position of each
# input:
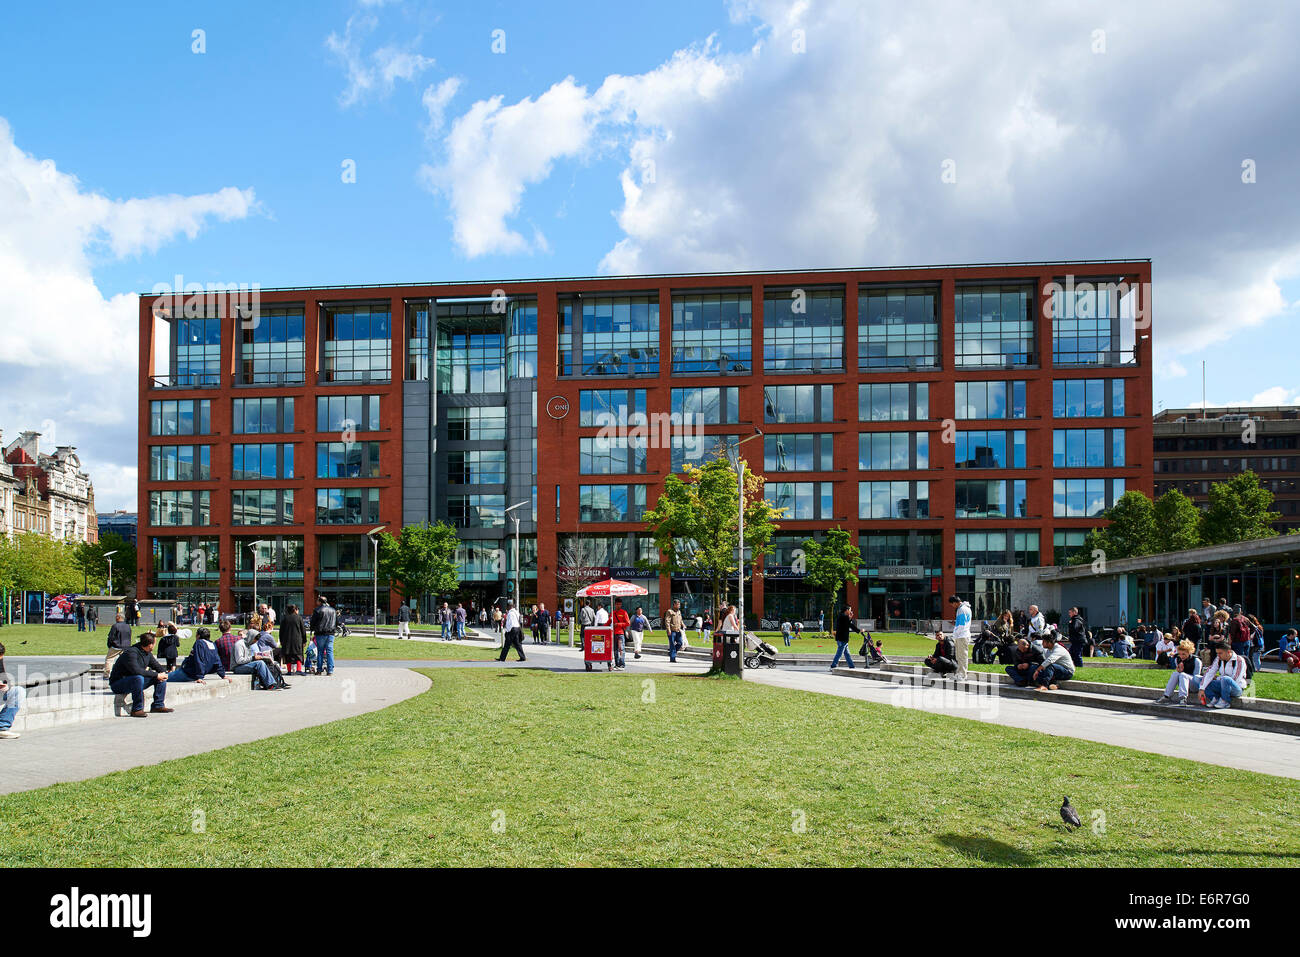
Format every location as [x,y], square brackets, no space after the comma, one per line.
[1244,714]
[96,703]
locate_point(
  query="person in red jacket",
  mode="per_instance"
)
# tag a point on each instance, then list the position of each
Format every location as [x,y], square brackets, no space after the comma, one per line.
[620,620]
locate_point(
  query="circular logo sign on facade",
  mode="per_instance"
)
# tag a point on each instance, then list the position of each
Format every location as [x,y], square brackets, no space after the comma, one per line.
[557,407]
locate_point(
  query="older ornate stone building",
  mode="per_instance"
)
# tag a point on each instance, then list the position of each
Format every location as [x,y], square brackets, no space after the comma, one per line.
[46,493]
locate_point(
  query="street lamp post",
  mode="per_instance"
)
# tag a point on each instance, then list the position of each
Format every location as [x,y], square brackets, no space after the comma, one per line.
[252,546]
[375,542]
[514,518]
[740,557]
[109,556]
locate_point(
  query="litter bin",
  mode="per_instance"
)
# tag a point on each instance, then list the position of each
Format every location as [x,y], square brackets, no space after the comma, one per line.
[726,651]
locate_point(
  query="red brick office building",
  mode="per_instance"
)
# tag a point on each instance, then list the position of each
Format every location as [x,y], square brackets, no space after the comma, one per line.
[959,420]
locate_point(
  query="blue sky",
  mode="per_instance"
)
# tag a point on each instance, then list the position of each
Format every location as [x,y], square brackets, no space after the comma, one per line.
[632,138]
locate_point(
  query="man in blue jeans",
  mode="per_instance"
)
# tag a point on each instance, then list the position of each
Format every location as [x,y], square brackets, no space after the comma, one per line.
[676,626]
[323,622]
[844,624]
[137,669]
[12,696]
[1225,679]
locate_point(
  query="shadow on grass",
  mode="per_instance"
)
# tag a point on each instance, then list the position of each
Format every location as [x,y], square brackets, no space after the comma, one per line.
[995,852]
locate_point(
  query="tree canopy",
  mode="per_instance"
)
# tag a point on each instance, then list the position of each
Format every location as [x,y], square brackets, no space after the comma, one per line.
[831,563]
[422,560]
[1240,510]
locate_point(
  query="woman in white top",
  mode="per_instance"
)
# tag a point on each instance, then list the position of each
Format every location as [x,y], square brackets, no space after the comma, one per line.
[730,625]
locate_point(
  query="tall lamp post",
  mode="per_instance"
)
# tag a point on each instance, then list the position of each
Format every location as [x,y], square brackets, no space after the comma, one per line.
[375,542]
[252,546]
[515,518]
[733,451]
[109,556]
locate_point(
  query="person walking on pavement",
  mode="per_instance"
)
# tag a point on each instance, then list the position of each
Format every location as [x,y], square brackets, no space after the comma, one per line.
[404,620]
[92,616]
[586,619]
[961,635]
[514,632]
[676,628]
[544,623]
[844,624]
[323,622]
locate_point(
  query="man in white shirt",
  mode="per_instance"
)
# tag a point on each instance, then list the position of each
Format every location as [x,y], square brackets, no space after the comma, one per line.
[514,633]
[602,616]
[1037,625]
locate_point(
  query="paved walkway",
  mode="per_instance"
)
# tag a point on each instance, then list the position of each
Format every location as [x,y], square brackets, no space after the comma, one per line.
[79,751]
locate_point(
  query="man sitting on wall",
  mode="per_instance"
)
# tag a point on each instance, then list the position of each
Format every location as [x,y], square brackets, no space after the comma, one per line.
[1057,664]
[135,670]
[1025,659]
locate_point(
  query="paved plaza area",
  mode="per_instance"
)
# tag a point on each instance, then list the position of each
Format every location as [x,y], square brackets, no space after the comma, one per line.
[82,751]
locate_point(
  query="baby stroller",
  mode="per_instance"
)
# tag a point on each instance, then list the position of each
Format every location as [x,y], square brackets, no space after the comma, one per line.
[758,654]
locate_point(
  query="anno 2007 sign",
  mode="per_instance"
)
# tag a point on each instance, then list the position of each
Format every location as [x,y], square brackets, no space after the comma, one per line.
[557,407]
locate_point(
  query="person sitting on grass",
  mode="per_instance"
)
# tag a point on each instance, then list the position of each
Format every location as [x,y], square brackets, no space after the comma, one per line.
[136,670]
[12,697]
[1025,659]
[1122,645]
[943,661]
[1186,678]
[202,661]
[1225,679]
[1057,665]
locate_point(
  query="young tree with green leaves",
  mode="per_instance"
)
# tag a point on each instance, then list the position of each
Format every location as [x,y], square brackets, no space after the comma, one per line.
[1239,511]
[829,564]
[1178,522]
[422,560]
[1131,532]
[696,523]
[90,559]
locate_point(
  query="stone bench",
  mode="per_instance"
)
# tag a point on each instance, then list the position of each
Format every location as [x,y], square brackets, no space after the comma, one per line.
[95,701]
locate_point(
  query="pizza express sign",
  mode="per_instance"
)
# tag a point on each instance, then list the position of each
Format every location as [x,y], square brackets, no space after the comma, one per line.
[557,407]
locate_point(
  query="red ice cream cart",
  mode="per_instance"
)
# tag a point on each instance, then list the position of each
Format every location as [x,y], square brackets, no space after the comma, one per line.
[598,640]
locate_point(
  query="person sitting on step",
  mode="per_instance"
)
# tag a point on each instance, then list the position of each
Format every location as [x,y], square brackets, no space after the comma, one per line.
[1225,679]
[943,661]
[1186,678]
[1057,664]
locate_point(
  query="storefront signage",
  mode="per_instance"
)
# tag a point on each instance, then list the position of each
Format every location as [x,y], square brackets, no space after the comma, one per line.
[783,571]
[897,572]
[624,573]
[995,571]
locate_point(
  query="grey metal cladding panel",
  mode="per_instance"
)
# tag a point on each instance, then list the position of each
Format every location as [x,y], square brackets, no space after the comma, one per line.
[458,400]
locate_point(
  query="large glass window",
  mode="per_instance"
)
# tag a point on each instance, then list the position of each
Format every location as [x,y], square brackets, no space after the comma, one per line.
[1084,498]
[1087,398]
[616,335]
[601,407]
[347,506]
[1087,448]
[183,559]
[272,350]
[620,455]
[347,460]
[478,467]
[521,347]
[180,506]
[696,449]
[991,400]
[893,401]
[995,325]
[898,329]
[801,500]
[797,452]
[180,463]
[708,406]
[471,349]
[803,330]
[712,332]
[477,511]
[878,500]
[358,344]
[991,499]
[884,451]
[180,417]
[1093,325]
[990,450]
[611,503]
[1066,543]
[476,424]
[261,506]
[417,340]
[263,461]
[260,416]
[339,413]
[798,403]
[198,352]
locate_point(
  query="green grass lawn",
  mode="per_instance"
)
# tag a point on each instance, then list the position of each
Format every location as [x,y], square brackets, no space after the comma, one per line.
[63,640]
[515,767]
[1268,684]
